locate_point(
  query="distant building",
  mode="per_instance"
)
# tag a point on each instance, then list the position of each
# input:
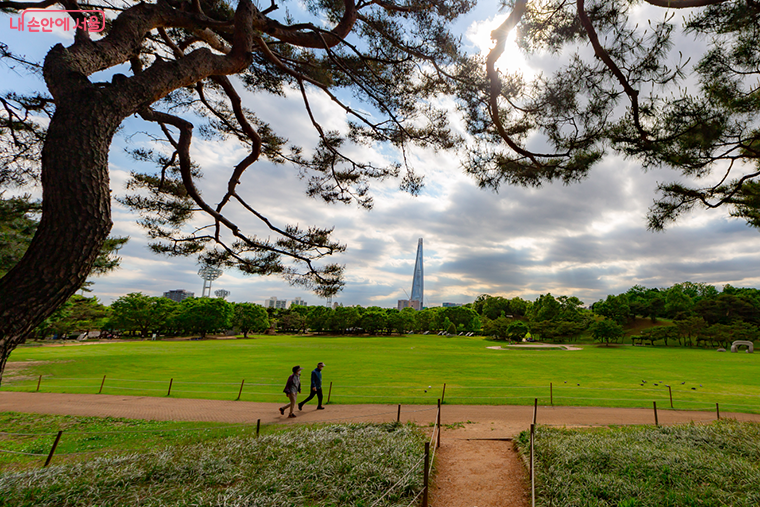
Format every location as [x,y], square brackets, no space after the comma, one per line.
[418,282]
[273,302]
[450,305]
[336,305]
[297,301]
[409,303]
[178,295]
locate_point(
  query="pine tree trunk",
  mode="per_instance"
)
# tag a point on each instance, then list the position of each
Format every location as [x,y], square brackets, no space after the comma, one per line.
[76,217]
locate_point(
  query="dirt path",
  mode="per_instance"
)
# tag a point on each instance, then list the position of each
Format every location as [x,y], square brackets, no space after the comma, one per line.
[477,464]
[478,473]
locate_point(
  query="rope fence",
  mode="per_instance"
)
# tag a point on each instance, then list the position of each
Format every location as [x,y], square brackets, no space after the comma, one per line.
[264,390]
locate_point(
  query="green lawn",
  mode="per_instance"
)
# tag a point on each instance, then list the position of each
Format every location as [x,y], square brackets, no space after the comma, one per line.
[399,370]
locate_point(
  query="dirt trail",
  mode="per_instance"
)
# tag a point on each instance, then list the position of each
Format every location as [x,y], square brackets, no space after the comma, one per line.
[478,473]
[477,463]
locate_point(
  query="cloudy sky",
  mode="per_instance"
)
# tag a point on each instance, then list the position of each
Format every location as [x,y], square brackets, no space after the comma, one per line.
[586,240]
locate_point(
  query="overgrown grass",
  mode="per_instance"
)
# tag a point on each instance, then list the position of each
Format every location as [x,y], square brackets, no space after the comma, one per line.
[399,369]
[675,466]
[335,465]
[86,437]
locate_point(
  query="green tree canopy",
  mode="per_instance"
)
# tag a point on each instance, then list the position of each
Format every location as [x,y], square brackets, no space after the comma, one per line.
[204,315]
[606,330]
[250,317]
[146,314]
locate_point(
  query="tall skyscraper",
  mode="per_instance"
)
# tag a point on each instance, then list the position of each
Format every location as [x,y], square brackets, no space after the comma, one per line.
[418,283]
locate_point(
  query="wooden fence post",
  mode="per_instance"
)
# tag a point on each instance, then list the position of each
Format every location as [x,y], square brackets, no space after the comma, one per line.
[39,381]
[717,410]
[535,409]
[52,451]
[171,381]
[438,420]
[670,391]
[398,416]
[425,475]
[532,465]
[241,390]
[551,394]
[258,427]
[443,394]
[328,394]
[102,384]
[656,421]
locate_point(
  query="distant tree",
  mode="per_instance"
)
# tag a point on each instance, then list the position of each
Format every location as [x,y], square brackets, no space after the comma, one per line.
[292,322]
[424,320]
[250,317]
[698,291]
[318,319]
[518,307]
[204,315]
[464,319]
[374,320]
[477,305]
[661,333]
[517,330]
[344,318]
[606,330]
[689,328]
[678,304]
[497,328]
[646,302]
[724,334]
[51,324]
[494,307]
[545,308]
[402,321]
[138,312]
[571,309]
[78,314]
[727,308]
[557,319]
[614,308]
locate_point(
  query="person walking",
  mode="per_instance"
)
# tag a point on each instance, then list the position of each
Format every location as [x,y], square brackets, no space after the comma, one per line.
[292,388]
[316,387]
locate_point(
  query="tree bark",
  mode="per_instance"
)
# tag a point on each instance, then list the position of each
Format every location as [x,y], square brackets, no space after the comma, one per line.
[76,217]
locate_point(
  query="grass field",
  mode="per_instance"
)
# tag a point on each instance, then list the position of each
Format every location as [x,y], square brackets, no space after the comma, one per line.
[126,463]
[405,369]
[676,466]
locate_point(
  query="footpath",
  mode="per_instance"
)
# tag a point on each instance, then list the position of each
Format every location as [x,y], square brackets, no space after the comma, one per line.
[477,465]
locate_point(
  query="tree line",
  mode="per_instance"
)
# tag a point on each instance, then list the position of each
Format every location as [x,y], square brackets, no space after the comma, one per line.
[686,313]
[136,314]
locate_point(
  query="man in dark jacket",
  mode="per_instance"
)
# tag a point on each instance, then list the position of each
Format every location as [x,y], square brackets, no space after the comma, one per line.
[316,387]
